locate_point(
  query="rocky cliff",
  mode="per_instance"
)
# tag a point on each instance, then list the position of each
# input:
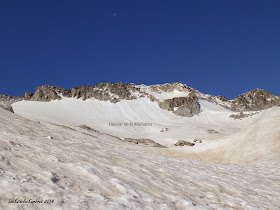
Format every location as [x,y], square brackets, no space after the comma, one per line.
[182,106]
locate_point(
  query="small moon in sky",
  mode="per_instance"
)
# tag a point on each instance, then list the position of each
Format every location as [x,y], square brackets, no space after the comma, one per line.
[115,14]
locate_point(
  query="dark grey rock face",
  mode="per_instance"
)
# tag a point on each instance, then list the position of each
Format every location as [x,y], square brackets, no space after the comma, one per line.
[114,92]
[182,106]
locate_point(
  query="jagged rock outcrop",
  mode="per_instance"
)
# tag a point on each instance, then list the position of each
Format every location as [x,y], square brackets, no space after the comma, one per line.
[103,92]
[27,96]
[6,101]
[182,106]
[255,100]
[44,93]
[7,107]
[222,98]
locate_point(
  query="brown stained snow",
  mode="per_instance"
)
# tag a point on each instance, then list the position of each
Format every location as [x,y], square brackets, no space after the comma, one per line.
[79,171]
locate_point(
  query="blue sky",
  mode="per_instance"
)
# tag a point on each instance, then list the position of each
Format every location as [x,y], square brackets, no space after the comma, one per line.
[218,47]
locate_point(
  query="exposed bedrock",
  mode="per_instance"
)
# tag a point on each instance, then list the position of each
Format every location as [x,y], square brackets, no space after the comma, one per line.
[6,101]
[255,100]
[103,92]
[182,106]
[44,93]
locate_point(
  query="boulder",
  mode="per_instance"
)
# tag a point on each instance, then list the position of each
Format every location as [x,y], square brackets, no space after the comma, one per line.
[147,142]
[182,143]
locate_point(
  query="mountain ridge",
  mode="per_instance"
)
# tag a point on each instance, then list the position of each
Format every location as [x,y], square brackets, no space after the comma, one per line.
[176,97]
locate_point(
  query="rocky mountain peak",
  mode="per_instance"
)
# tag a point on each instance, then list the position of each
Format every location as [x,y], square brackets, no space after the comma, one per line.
[255,100]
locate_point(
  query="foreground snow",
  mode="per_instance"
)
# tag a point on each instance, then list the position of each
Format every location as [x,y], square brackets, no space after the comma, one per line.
[89,170]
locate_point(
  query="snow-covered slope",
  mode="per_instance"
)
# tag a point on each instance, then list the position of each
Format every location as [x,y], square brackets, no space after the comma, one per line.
[223,138]
[107,117]
[259,140]
[82,169]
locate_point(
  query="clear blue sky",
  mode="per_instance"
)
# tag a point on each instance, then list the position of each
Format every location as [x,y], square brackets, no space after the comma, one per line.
[220,47]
